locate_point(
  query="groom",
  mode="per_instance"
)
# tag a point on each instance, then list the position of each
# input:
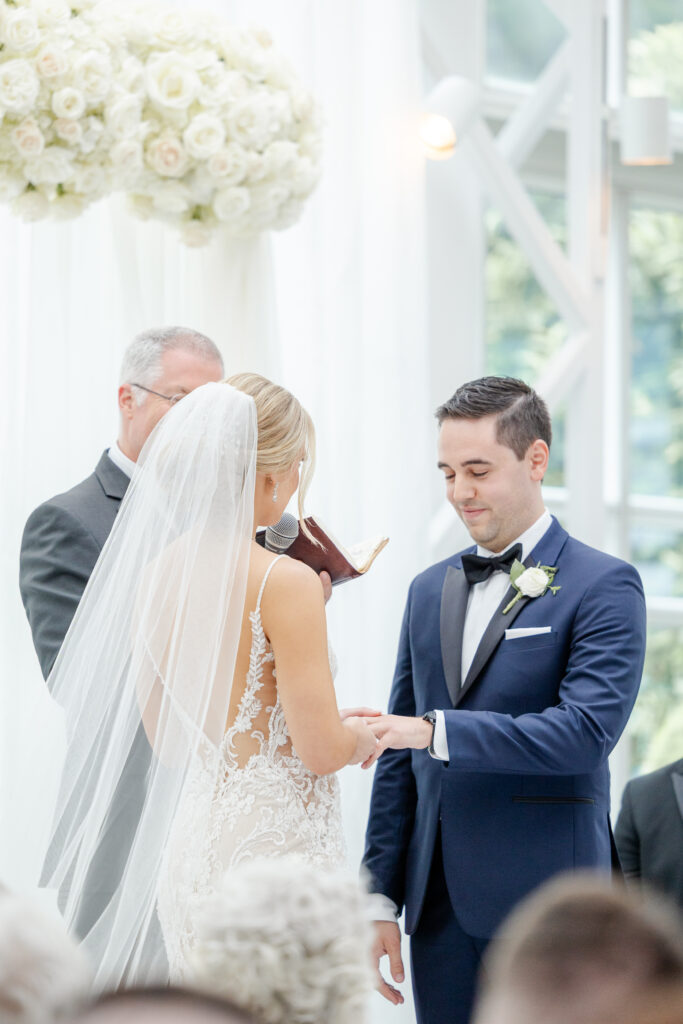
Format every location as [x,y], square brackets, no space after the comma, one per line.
[505,705]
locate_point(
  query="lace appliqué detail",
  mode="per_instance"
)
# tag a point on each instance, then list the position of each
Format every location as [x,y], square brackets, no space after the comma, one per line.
[269,806]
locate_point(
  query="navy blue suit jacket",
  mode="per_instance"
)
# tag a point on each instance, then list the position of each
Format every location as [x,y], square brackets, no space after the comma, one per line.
[526,792]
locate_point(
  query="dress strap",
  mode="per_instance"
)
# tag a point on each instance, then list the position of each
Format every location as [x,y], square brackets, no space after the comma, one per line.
[265,580]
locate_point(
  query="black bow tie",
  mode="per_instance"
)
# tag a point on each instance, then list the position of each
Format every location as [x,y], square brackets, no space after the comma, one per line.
[477,568]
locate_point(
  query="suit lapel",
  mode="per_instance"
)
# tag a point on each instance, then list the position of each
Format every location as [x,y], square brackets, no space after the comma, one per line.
[677,780]
[453,608]
[546,552]
[113,480]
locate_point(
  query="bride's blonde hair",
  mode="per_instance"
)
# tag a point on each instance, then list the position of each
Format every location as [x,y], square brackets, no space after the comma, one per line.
[285,431]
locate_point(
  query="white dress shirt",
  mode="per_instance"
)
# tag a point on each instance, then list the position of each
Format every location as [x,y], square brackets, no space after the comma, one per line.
[125,464]
[482,602]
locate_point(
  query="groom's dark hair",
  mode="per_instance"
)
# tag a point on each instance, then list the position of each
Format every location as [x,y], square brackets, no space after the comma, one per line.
[522,415]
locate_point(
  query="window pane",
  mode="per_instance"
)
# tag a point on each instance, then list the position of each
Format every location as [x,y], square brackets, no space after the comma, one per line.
[521,38]
[656,242]
[658,556]
[523,328]
[656,725]
[655,47]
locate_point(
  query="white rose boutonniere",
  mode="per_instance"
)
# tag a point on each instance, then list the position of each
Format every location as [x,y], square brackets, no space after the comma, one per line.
[532,582]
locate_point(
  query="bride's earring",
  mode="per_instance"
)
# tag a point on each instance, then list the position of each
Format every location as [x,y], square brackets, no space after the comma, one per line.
[275,487]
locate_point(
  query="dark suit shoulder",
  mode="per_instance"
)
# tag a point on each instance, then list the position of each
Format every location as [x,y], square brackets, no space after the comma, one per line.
[644,785]
[597,563]
[70,508]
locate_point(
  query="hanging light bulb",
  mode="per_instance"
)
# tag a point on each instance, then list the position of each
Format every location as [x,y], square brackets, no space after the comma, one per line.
[644,130]
[449,110]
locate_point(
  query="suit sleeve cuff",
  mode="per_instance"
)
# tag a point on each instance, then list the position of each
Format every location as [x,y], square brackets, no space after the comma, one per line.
[439,749]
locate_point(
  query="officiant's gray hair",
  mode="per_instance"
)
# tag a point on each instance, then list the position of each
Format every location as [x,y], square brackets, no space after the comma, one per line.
[522,415]
[142,359]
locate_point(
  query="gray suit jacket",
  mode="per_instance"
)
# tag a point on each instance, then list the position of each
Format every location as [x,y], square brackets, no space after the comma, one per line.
[62,540]
[649,830]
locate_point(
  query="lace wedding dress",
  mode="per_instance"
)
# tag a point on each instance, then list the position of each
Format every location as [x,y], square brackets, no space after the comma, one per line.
[262,802]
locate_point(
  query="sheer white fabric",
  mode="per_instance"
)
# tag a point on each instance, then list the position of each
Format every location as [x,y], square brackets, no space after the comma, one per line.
[145,673]
[263,802]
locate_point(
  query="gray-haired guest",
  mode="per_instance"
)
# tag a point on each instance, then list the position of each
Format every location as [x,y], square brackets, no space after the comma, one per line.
[65,535]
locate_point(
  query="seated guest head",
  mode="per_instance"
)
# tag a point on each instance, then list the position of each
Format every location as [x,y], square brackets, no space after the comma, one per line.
[579,951]
[168,1005]
[160,366]
[43,974]
[288,941]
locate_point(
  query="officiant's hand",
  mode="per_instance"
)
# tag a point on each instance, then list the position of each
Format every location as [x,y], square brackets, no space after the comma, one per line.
[399,732]
[388,943]
[326,581]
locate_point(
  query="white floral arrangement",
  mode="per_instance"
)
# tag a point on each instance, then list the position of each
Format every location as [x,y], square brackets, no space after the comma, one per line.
[204,125]
[56,80]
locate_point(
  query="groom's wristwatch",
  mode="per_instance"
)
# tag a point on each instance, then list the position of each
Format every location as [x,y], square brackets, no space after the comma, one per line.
[430,716]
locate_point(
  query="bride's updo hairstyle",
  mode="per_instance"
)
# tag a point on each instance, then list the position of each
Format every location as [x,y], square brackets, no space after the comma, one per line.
[285,431]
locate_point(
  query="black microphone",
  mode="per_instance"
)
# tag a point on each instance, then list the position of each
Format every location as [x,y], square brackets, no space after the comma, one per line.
[281,536]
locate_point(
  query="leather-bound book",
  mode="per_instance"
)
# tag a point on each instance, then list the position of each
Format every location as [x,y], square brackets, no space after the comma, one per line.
[341,563]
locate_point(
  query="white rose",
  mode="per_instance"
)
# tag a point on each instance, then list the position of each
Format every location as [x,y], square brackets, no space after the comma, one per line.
[204,136]
[140,206]
[52,12]
[532,582]
[92,133]
[280,158]
[171,82]
[221,87]
[51,62]
[30,205]
[66,207]
[68,102]
[203,59]
[288,214]
[20,30]
[12,184]
[127,157]
[92,75]
[304,178]
[172,197]
[266,201]
[89,180]
[69,131]
[19,86]
[174,28]
[231,203]
[195,233]
[131,77]
[255,120]
[166,155]
[230,164]
[28,138]
[123,116]
[53,167]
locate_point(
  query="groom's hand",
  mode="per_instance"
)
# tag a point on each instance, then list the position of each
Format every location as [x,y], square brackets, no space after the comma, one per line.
[358,713]
[388,943]
[399,732]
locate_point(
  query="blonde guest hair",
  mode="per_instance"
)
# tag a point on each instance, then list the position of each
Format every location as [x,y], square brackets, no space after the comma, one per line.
[285,432]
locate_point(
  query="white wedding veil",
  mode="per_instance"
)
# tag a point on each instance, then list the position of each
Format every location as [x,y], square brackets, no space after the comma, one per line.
[145,673]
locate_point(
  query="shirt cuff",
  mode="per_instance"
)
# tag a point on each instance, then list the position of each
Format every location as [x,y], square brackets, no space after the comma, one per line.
[440,741]
[380,907]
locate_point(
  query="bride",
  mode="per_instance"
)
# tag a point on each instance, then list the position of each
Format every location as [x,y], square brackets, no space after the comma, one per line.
[196,686]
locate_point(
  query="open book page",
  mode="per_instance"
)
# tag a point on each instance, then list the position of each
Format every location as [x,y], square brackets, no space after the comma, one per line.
[360,555]
[363,554]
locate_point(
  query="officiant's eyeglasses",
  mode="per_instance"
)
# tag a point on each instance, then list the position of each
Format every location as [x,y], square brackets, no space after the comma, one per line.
[169,398]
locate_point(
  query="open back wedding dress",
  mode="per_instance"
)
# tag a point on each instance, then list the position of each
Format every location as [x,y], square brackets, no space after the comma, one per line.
[263,802]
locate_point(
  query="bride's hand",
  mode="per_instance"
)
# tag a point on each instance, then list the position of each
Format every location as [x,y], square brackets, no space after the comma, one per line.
[345,713]
[364,737]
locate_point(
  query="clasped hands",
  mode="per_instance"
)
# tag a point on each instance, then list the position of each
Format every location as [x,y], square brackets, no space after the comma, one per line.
[397,731]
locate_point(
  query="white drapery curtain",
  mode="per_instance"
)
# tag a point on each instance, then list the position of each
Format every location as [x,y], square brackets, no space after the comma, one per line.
[334,308]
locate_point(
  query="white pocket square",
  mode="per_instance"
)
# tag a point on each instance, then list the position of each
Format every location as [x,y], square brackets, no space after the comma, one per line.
[515,634]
